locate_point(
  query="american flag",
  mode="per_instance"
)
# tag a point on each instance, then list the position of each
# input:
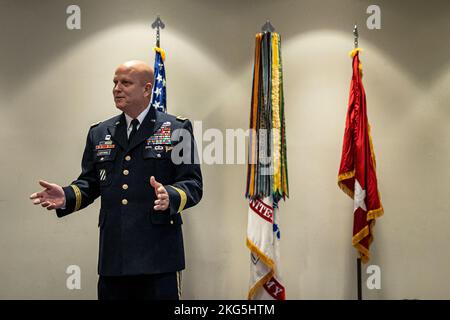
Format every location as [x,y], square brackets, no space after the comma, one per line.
[159,96]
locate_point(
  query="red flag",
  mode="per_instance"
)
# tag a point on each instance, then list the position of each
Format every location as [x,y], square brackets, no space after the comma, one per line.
[357,175]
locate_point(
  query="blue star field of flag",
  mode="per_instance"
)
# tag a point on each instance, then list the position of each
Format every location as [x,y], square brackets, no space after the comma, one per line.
[159,97]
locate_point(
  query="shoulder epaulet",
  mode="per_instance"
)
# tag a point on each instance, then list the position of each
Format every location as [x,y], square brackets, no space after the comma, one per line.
[181,118]
[95,124]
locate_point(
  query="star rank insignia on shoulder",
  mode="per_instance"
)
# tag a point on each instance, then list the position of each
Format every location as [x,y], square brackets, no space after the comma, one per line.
[95,124]
[180,118]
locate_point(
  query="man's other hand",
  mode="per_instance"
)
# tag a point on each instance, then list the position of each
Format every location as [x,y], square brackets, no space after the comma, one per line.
[162,197]
[52,197]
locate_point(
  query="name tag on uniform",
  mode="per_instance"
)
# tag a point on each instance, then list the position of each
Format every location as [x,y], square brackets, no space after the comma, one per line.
[106,152]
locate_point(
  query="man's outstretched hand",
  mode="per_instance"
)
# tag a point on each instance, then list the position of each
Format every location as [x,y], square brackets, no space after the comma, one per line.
[162,197]
[51,198]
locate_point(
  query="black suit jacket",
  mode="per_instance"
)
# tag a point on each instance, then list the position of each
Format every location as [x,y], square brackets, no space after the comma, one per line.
[135,239]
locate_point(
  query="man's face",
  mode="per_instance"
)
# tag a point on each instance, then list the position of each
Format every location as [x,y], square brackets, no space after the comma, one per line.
[129,90]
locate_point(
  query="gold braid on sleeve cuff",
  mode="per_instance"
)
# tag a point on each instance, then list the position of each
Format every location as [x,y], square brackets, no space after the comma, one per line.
[183,198]
[77,197]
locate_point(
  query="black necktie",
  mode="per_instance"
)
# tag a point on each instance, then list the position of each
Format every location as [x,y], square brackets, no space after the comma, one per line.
[134,125]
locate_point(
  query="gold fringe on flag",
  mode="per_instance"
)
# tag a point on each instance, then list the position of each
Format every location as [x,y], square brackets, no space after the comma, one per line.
[161,52]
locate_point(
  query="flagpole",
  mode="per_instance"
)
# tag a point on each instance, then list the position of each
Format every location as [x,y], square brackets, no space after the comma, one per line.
[358,260]
[355,35]
[358,266]
[159,92]
[158,24]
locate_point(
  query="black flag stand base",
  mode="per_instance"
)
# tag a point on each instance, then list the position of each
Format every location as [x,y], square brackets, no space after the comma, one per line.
[358,265]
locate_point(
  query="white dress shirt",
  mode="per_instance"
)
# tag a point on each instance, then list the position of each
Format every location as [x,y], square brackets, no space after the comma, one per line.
[140,118]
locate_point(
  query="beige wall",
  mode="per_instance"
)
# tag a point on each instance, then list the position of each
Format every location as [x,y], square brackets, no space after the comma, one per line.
[54,83]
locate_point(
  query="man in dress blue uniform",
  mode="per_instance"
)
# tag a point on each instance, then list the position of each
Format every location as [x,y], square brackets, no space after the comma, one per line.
[142,165]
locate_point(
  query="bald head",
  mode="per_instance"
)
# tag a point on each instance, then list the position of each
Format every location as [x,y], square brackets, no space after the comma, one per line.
[133,82]
[140,68]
